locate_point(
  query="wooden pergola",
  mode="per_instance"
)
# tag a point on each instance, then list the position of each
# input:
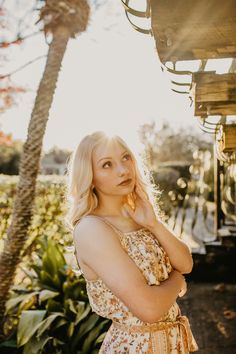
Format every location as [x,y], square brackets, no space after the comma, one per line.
[200,30]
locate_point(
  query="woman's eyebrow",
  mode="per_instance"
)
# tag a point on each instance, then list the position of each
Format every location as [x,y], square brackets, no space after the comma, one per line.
[103,158]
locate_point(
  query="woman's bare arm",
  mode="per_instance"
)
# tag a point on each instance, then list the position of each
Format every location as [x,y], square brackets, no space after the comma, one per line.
[100,248]
[177,250]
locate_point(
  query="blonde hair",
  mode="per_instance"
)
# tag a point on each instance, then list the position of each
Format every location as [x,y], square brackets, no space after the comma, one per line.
[81,196]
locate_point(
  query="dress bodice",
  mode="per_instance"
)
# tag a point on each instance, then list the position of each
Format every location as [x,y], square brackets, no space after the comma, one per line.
[150,257]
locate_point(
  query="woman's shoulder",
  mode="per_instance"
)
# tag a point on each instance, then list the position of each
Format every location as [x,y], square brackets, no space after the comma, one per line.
[90,223]
[92,234]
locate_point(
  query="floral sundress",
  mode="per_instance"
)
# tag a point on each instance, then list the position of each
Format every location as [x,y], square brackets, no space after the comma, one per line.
[128,334]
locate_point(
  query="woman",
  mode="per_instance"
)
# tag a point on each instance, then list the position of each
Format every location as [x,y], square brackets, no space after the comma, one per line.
[132,263]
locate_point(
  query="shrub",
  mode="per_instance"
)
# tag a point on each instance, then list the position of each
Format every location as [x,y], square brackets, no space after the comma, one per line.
[50,311]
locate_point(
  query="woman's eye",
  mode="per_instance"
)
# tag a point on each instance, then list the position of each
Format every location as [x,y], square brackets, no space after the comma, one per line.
[108,163]
[127,156]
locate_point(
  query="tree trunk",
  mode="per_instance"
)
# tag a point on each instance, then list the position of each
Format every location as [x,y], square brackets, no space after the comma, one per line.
[29,166]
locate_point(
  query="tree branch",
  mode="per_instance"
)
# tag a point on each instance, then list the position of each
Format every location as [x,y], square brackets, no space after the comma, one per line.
[23,66]
[19,39]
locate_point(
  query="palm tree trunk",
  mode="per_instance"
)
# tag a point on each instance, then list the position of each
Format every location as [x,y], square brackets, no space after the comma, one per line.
[29,166]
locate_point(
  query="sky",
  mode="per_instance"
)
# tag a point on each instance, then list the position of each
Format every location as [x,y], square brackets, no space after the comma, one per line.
[111,80]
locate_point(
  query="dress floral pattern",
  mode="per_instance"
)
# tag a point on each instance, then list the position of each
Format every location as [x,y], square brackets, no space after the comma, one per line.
[128,334]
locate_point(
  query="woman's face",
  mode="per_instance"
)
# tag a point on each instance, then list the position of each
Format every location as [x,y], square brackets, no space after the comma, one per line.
[112,165]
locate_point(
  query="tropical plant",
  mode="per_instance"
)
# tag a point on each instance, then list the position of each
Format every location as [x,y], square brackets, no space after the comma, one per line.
[49,311]
[62,20]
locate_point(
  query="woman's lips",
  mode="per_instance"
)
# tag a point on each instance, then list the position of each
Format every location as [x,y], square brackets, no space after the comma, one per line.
[126,182]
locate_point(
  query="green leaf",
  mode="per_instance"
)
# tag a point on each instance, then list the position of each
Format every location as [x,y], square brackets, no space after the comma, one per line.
[57,281]
[53,259]
[57,343]
[28,272]
[70,330]
[86,326]
[100,338]
[81,312]
[35,345]
[60,323]
[20,288]
[11,303]
[46,279]
[47,294]
[37,269]
[69,304]
[28,302]
[28,324]
[48,264]
[91,337]
[46,323]
[8,344]
[53,306]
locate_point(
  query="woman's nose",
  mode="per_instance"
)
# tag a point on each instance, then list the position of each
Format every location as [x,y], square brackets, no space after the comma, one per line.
[122,170]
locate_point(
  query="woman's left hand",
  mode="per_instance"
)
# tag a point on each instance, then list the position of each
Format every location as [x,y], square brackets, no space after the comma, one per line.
[143,214]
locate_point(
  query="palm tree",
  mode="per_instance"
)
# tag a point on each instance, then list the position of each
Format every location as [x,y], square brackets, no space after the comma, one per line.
[64,20]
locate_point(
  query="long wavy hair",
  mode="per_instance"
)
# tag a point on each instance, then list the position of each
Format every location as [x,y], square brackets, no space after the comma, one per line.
[81,195]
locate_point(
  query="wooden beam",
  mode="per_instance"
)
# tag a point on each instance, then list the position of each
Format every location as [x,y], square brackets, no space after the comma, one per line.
[194,29]
[213,94]
[228,138]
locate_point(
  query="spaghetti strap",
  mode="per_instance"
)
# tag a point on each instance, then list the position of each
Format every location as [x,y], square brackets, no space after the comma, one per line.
[119,232]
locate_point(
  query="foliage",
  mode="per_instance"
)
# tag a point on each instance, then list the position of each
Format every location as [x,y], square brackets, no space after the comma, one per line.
[11,150]
[50,311]
[57,155]
[10,157]
[71,14]
[50,297]
[165,144]
[49,210]
[5,139]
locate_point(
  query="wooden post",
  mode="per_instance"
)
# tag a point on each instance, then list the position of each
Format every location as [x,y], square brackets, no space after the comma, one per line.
[217,195]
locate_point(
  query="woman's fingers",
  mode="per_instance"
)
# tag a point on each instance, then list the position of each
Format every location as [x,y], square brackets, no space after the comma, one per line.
[128,211]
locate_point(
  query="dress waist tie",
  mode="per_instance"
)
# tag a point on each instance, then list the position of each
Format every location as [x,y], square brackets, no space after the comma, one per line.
[159,343]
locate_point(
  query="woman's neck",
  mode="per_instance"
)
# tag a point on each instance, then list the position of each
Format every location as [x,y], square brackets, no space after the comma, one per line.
[110,213]
[110,206]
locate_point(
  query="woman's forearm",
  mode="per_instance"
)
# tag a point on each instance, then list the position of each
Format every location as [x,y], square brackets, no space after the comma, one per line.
[177,251]
[163,296]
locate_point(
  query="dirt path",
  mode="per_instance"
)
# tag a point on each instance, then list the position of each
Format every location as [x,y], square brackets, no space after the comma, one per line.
[211,309]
